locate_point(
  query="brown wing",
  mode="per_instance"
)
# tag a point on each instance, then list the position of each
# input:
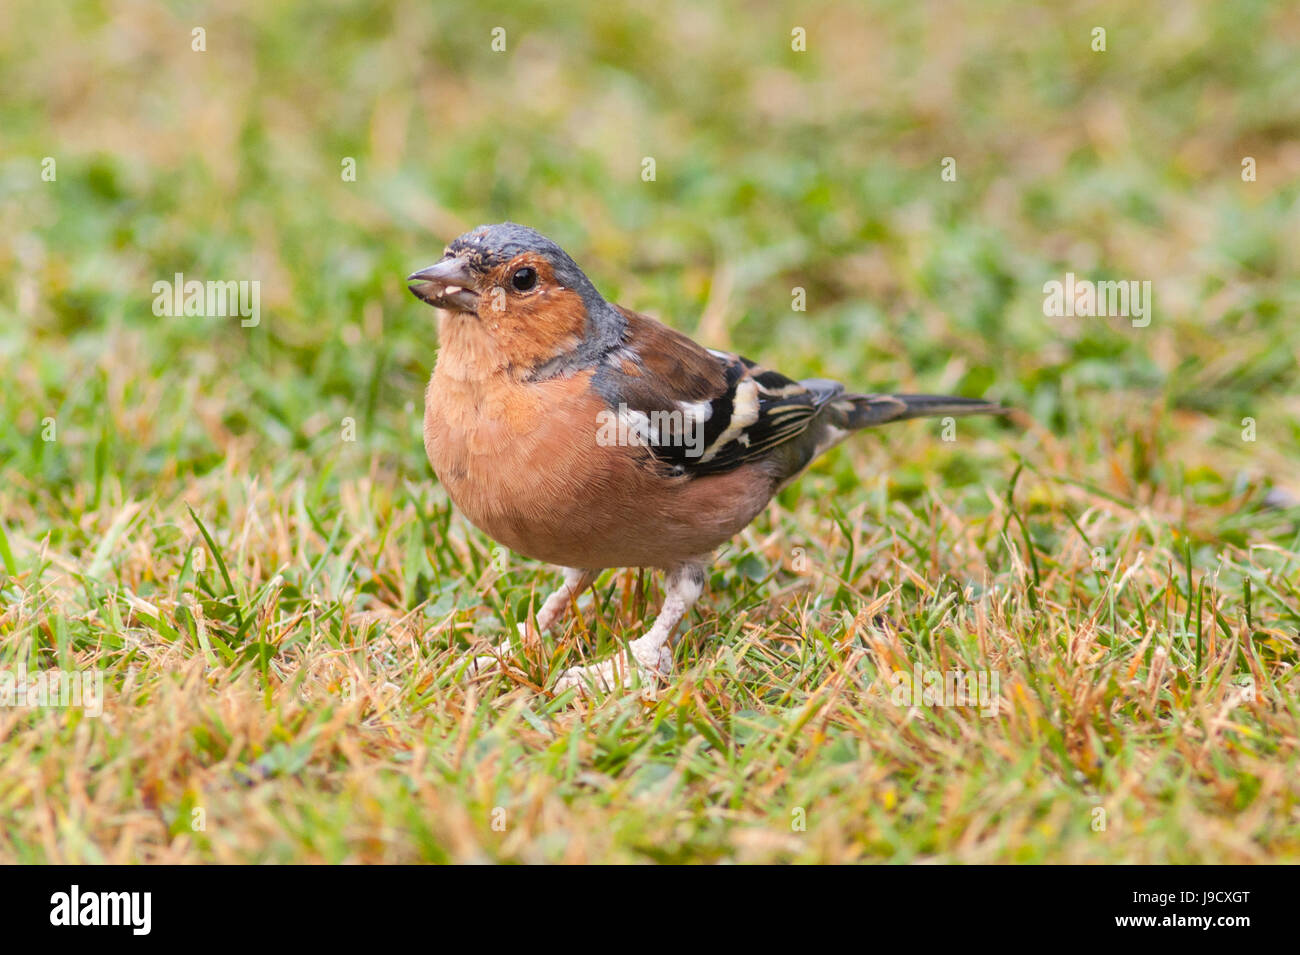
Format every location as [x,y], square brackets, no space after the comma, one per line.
[704,411]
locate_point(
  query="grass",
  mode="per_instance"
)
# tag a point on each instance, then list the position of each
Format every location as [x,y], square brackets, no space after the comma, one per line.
[237,526]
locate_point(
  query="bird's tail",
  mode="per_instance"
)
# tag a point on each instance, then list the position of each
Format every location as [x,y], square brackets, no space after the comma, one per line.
[852,412]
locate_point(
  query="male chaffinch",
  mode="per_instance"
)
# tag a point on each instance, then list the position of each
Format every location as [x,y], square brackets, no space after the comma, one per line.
[580,433]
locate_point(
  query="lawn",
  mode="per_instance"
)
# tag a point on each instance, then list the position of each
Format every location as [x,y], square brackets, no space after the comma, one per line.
[231,525]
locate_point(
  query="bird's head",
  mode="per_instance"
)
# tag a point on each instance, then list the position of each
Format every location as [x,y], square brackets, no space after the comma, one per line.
[523,289]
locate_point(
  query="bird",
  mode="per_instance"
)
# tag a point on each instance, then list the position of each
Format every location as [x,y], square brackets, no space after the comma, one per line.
[583,434]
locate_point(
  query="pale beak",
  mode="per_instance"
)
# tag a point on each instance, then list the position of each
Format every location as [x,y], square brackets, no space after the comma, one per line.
[447,284]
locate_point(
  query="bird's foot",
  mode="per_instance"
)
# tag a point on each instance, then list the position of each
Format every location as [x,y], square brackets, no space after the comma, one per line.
[552,610]
[497,660]
[650,661]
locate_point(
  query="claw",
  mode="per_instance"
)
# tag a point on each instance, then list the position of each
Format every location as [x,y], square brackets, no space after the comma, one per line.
[486,662]
[615,673]
[650,655]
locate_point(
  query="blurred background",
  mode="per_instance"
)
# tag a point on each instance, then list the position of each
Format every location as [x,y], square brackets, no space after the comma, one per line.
[190,495]
[774,168]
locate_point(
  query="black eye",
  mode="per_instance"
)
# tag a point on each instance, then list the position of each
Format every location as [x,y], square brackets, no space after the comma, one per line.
[524,279]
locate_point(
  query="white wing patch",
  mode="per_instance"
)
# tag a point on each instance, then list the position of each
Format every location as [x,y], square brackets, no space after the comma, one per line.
[743,414]
[700,411]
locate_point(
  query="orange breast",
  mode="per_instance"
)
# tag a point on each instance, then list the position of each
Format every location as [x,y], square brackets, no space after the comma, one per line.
[521,460]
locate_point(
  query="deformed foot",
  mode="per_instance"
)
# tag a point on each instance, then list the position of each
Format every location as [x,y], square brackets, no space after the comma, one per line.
[487,662]
[552,609]
[649,655]
[616,674]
